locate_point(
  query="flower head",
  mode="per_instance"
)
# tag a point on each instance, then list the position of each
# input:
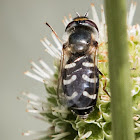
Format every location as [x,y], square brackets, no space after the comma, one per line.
[64,124]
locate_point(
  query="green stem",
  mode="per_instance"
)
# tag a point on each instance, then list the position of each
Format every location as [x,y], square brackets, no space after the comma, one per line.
[121,104]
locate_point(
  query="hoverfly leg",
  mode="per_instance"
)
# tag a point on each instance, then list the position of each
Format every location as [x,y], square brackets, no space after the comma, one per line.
[105,83]
[102,60]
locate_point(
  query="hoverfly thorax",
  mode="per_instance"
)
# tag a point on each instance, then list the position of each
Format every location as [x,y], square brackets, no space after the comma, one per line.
[82,33]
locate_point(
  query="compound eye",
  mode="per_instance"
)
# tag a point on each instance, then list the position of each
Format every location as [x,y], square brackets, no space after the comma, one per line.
[91,23]
[71,24]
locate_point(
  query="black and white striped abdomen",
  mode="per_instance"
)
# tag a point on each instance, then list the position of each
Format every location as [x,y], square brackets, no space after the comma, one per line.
[80,81]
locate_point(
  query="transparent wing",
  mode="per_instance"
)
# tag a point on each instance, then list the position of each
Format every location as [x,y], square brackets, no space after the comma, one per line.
[60,92]
[95,60]
[94,53]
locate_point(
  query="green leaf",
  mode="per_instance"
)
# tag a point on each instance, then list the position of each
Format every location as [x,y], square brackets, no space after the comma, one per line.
[52,100]
[137,135]
[107,117]
[107,131]
[136,100]
[105,109]
[83,128]
[50,90]
[94,116]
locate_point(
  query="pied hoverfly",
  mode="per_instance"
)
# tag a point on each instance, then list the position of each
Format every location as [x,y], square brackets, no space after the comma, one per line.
[79,74]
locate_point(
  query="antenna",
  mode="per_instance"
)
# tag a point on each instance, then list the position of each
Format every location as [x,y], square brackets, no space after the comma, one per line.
[78,15]
[86,14]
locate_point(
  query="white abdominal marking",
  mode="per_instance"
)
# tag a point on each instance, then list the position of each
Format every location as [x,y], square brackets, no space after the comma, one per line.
[82,108]
[85,93]
[73,78]
[87,64]
[78,69]
[91,80]
[71,65]
[72,96]
[83,116]
[78,59]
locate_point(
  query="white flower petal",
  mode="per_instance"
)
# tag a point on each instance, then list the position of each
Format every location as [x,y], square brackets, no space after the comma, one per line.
[40,70]
[34,76]
[131,13]
[95,16]
[46,67]
[86,135]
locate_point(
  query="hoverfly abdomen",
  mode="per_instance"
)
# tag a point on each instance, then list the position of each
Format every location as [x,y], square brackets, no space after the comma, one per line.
[80,84]
[80,75]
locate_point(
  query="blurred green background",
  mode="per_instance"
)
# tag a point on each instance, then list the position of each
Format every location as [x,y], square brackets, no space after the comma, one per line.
[21,28]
